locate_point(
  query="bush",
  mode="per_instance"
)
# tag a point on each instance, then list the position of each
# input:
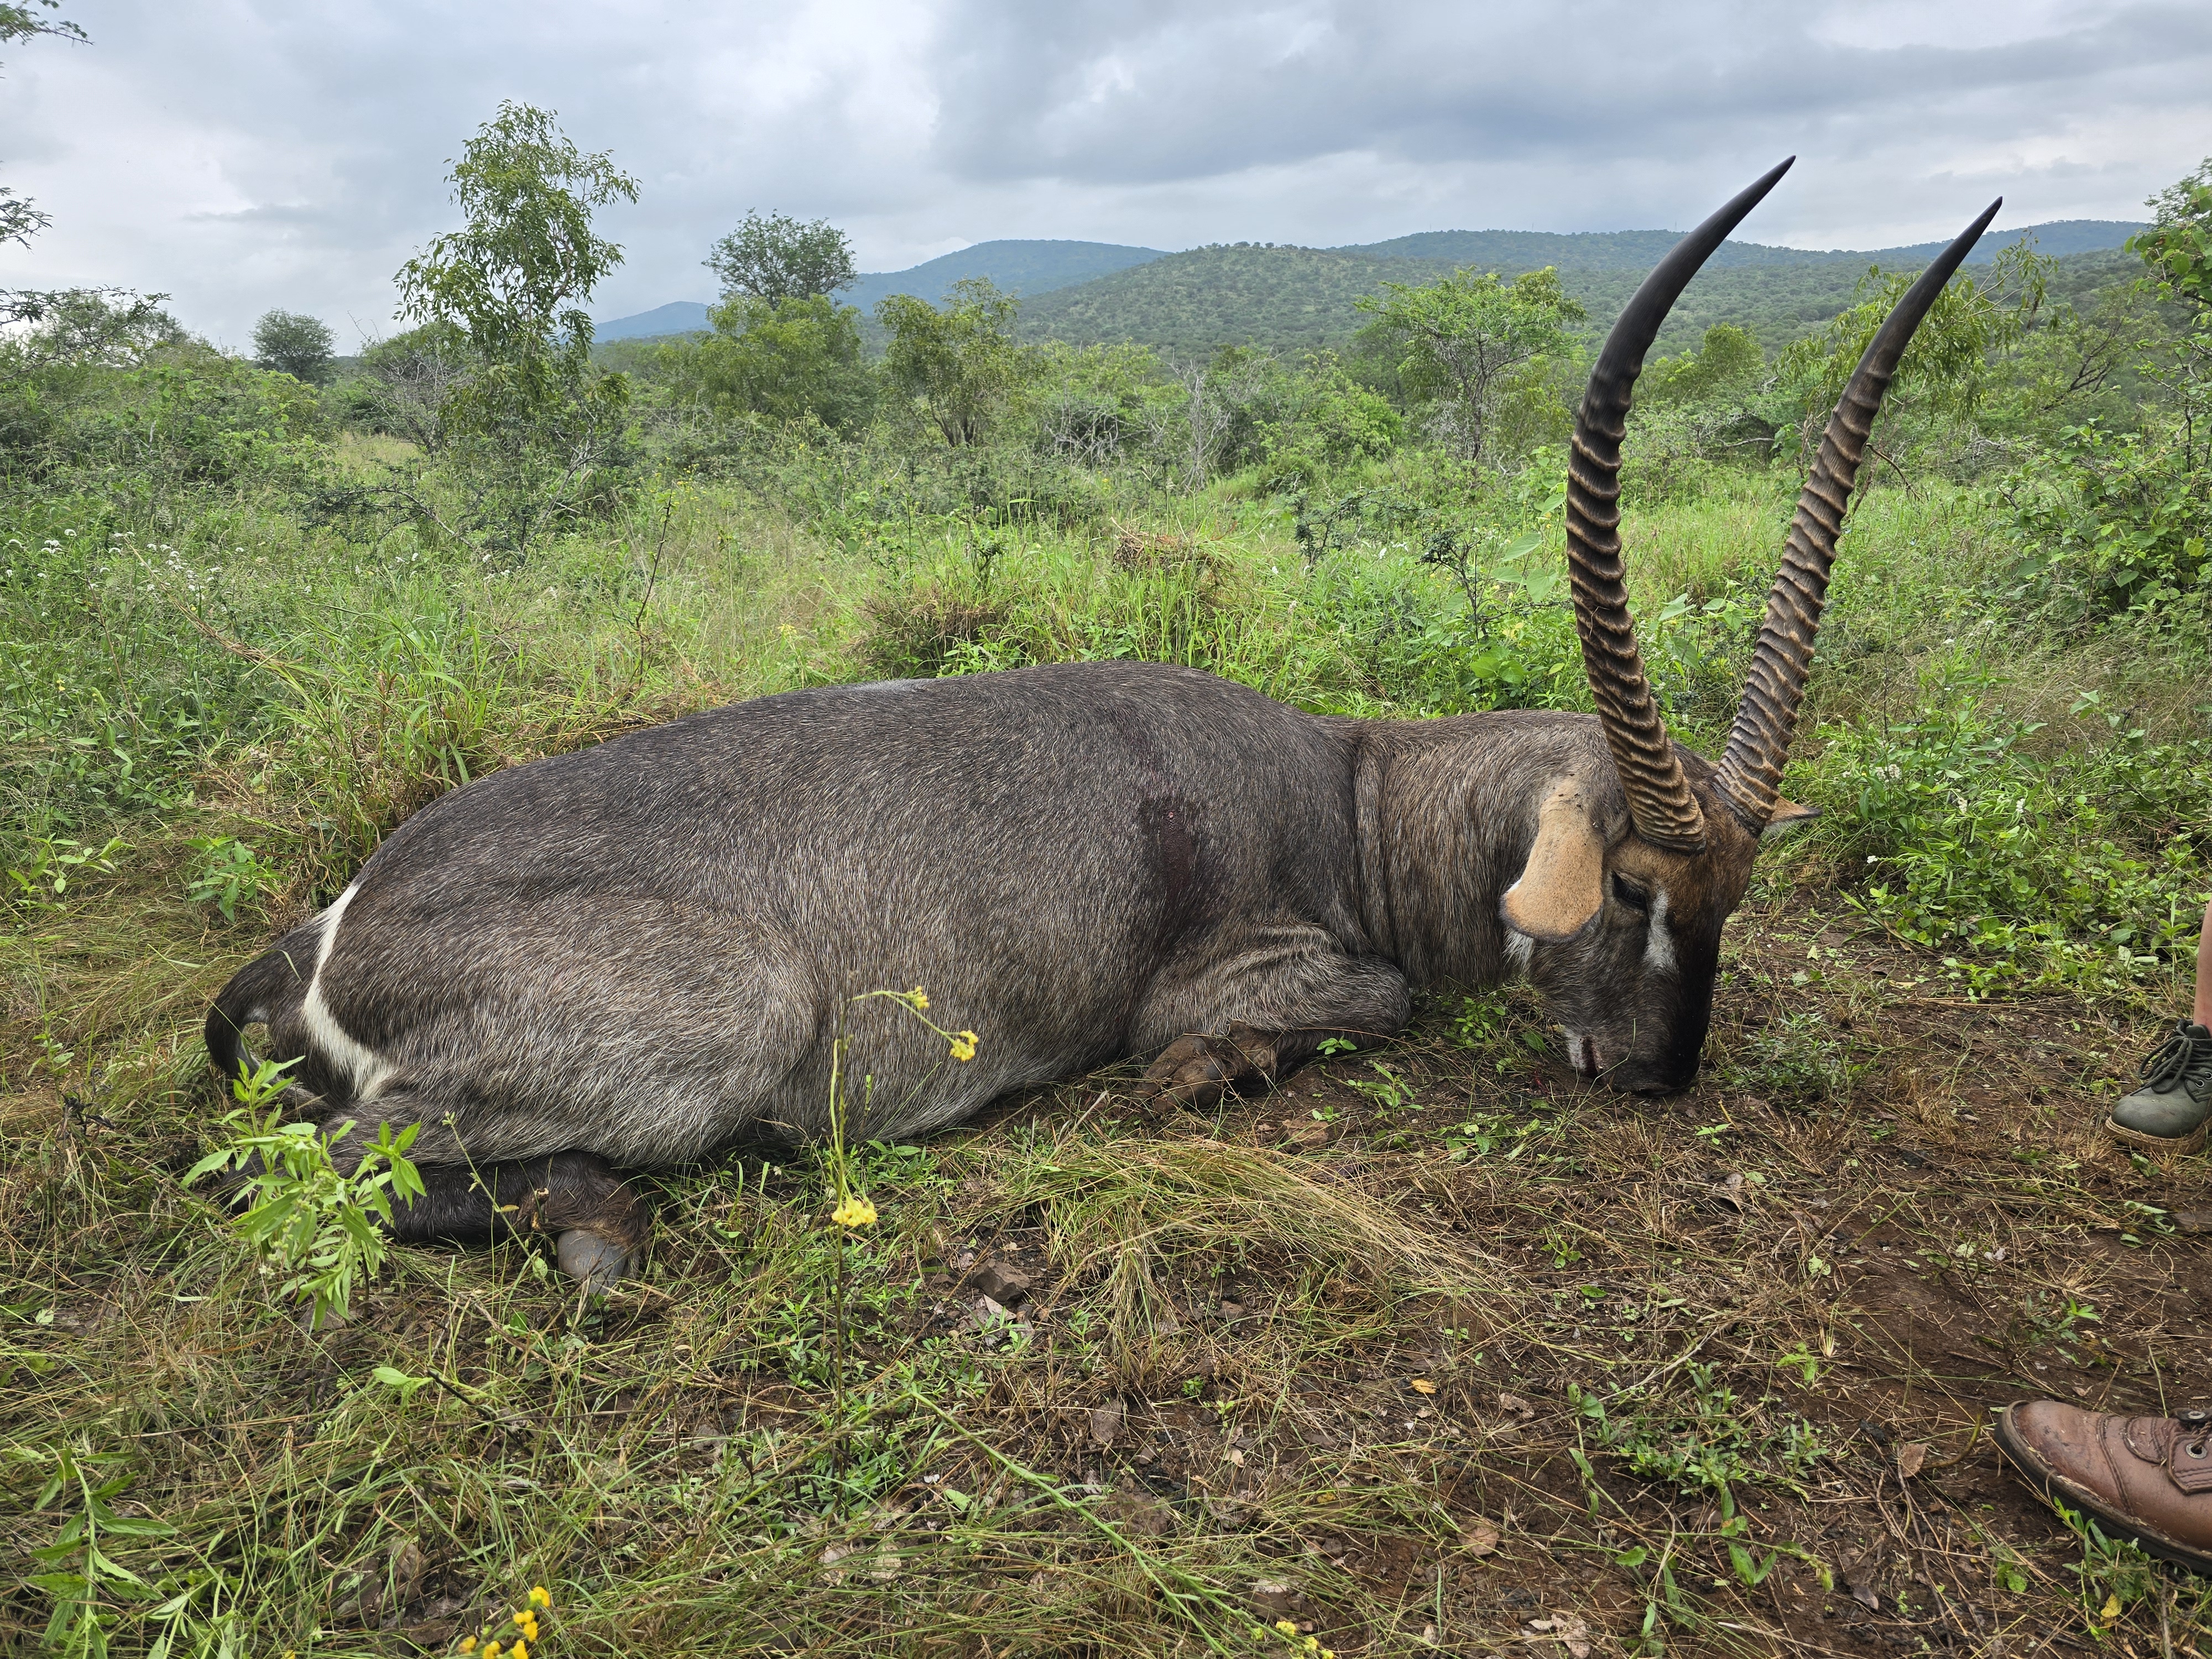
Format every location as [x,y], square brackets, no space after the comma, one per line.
[2115,521]
[2086,868]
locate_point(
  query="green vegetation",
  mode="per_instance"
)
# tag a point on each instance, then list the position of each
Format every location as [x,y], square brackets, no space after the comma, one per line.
[1358,1355]
[1290,298]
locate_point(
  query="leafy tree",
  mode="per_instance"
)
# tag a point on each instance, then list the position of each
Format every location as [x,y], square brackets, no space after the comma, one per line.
[533,421]
[787,360]
[295,344]
[2178,248]
[2178,251]
[20,219]
[960,364]
[1948,366]
[772,256]
[1728,360]
[1468,342]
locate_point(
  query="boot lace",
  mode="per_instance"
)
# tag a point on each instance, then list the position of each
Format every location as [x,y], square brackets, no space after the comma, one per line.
[2180,1059]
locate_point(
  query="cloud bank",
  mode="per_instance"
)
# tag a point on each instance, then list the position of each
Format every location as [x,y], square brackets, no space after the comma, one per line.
[245,154]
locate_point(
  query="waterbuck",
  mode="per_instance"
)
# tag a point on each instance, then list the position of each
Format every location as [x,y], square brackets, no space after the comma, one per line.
[632,956]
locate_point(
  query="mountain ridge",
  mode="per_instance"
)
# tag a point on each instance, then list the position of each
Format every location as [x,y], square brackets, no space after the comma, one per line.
[1087,291]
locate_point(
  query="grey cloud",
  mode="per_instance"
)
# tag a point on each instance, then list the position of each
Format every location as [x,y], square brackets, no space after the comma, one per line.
[1109,94]
[291,152]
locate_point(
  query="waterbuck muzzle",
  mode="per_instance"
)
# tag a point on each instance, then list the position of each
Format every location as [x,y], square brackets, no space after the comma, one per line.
[1632,875]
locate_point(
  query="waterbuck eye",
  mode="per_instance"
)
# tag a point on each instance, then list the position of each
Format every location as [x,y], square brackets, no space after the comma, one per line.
[1632,894]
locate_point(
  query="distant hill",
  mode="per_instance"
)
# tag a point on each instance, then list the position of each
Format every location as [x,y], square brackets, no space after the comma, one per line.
[1621,249]
[1300,299]
[1026,268]
[1019,267]
[677,316]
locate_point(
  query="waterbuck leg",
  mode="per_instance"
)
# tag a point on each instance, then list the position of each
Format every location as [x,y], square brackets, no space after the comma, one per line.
[1196,1071]
[1266,1016]
[599,1226]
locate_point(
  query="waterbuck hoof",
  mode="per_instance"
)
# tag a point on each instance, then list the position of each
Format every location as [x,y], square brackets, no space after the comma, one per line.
[1195,1071]
[594,1262]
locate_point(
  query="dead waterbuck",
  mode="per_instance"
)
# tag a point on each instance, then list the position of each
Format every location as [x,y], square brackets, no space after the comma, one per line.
[632,956]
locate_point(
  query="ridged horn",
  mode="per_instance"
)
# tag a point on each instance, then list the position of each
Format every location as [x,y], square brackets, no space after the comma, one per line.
[1659,799]
[1749,776]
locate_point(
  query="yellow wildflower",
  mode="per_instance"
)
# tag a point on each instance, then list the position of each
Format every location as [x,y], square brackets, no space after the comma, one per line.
[468,1644]
[521,1650]
[963,1046]
[920,1000]
[541,1597]
[1286,1627]
[491,1650]
[854,1211]
[522,1618]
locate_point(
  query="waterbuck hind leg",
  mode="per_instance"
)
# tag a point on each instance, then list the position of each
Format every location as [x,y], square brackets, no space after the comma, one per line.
[598,1225]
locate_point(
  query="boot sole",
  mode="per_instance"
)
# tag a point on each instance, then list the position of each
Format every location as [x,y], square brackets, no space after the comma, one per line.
[2051,1484]
[2193,1141]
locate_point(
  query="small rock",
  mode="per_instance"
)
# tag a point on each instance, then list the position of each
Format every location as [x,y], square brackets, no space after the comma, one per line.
[1276,1595]
[989,1312]
[1911,1457]
[406,1570]
[2192,1221]
[1481,1539]
[1513,1403]
[1146,1516]
[1106,1423]
[1232,1311]
[1000,1283]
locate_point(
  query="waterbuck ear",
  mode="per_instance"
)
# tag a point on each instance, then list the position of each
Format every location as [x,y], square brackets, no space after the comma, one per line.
[1563,881]
[1788,815]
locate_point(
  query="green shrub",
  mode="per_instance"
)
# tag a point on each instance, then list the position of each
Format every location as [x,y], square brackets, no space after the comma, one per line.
[2115,521]
[2084,868]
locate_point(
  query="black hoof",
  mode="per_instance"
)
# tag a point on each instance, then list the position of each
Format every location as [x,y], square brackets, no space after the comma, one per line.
[593,1262]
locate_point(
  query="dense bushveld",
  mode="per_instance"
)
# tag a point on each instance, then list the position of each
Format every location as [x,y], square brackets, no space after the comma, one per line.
[1433,1349]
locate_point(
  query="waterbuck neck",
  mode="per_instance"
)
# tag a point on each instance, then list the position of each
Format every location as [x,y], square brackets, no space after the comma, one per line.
[1447,810]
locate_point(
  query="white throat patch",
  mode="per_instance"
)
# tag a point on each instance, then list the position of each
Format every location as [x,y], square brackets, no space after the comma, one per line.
[1520,951]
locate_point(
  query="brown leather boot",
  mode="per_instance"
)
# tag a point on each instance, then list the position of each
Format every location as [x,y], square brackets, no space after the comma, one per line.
[2145,1478]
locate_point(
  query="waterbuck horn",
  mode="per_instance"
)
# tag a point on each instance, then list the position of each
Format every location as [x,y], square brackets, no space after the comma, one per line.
[1750,771]
[1659,799]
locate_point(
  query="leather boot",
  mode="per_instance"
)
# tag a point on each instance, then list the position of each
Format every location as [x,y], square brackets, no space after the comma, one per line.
[2145,1478]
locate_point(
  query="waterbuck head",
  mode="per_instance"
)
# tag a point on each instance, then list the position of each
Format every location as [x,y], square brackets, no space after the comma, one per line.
[1642,853]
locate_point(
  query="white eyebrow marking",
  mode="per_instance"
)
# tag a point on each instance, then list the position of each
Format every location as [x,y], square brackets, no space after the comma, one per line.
[1659,943]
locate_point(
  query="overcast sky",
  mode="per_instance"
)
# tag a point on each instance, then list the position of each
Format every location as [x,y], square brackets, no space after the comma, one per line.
[247,153]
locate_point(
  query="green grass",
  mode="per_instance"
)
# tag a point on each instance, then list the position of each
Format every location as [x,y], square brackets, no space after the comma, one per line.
[1407,1236]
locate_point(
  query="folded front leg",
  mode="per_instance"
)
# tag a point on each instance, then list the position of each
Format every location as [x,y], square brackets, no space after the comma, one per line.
[1260,1015]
